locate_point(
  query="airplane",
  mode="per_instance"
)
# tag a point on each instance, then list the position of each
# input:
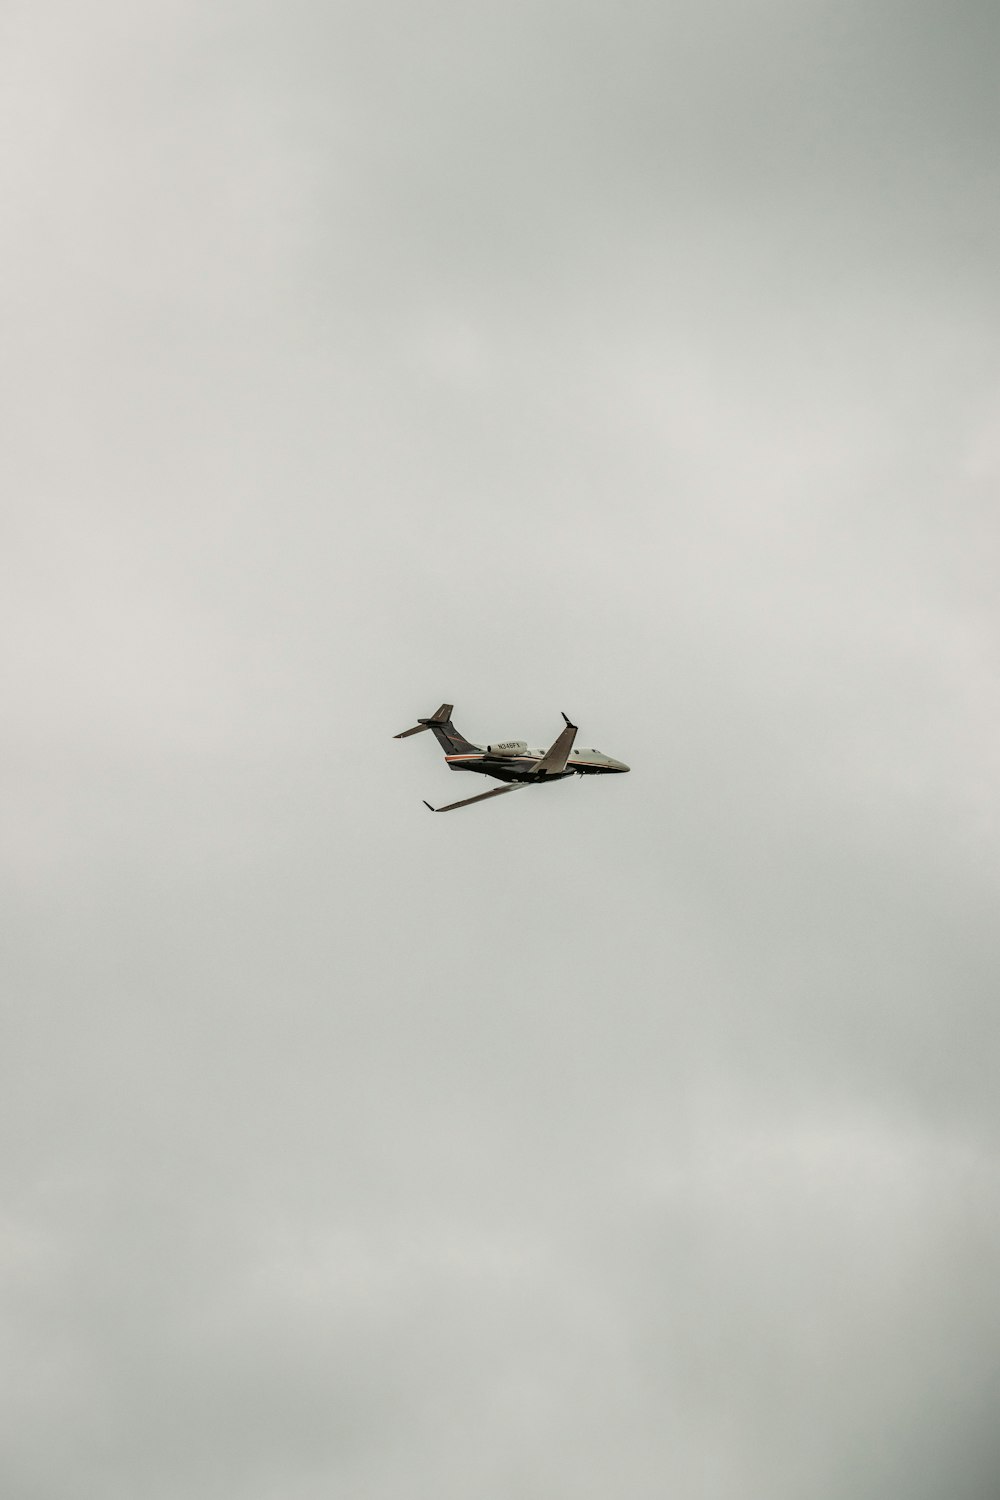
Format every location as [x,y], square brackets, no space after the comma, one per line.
[510,760]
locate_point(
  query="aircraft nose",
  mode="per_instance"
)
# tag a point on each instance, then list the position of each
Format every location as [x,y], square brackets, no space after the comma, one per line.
[619,765]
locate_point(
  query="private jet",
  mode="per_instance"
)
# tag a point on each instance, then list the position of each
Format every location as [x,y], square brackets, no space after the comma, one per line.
[511,761]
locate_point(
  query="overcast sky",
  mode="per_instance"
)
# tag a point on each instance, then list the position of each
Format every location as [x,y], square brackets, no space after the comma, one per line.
[636,1138]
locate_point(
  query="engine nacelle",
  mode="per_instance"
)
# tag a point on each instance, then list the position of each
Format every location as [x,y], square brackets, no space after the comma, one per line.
[508,747]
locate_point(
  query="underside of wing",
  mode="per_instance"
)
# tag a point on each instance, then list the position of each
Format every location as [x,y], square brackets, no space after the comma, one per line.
[553,762]
[498,791]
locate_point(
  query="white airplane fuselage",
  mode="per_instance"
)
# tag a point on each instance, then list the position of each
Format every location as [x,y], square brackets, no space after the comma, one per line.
[518,762]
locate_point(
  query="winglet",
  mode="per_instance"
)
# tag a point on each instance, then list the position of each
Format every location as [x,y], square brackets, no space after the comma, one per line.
[433,809]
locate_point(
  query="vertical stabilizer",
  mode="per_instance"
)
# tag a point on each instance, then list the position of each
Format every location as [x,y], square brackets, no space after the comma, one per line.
[447,736]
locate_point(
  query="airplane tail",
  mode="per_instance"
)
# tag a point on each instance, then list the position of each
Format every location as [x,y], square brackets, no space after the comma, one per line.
[447,736]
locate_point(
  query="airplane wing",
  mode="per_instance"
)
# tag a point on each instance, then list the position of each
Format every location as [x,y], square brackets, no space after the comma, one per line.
[553,762]
[498,791]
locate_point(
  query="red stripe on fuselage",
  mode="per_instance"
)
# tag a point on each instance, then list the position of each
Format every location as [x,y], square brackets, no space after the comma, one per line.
[512,760]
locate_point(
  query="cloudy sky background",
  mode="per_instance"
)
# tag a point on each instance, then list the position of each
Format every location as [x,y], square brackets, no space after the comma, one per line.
[637,1137]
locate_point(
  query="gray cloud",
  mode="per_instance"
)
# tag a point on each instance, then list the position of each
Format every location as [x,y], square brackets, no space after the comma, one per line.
[641,1138]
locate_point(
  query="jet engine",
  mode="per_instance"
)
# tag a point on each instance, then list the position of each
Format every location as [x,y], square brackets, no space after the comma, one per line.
[508,747]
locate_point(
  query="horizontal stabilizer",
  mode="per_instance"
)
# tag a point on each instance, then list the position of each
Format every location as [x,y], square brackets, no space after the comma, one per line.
[441,717]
